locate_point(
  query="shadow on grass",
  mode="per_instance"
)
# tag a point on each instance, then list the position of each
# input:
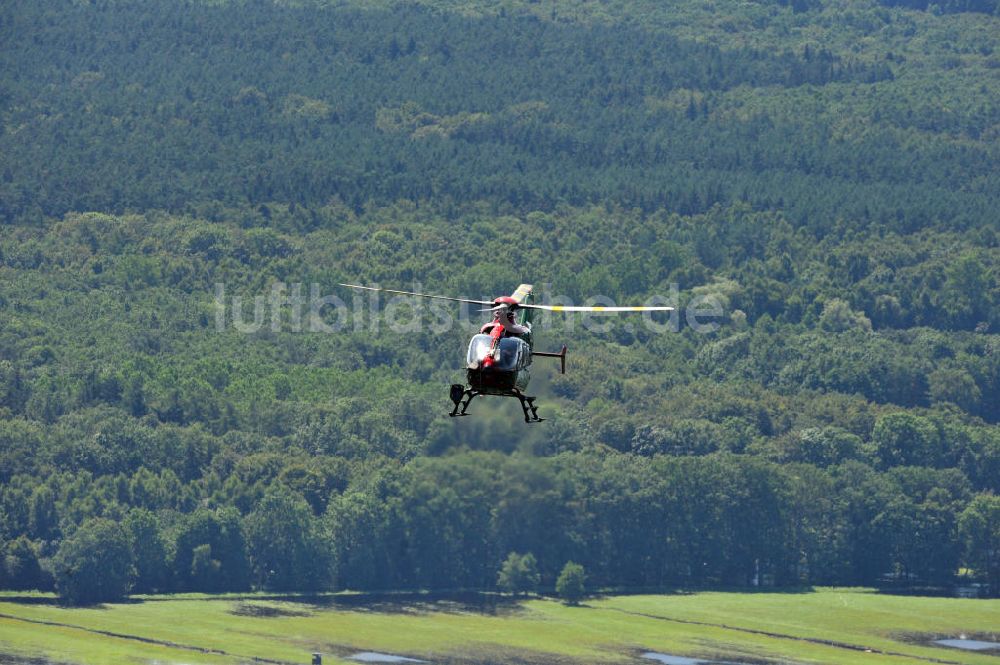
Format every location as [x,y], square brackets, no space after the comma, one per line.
[261,611]
[694,591]
[921,591]
[379,602]
[470,602]
[394,602]
[17,659]
[28,598]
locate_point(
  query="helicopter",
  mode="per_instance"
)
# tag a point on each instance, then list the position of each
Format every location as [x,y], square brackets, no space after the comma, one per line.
[500,354]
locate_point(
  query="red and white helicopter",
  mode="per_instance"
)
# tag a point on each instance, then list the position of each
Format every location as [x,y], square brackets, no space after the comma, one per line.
[499,356]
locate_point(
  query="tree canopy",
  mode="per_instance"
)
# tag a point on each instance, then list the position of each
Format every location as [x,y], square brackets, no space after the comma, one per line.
[94,564]
[825,173]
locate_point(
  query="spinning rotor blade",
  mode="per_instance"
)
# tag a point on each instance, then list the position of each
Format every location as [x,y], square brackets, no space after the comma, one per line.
[597,308]
[421,295]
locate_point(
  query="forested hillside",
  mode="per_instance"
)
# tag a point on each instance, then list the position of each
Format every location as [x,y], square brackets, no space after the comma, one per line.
[828,172]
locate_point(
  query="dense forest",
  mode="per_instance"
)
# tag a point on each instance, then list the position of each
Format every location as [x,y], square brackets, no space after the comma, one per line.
[827,172]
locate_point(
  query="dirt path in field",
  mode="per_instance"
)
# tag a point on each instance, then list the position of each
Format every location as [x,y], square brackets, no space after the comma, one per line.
[783,636]
[149,640]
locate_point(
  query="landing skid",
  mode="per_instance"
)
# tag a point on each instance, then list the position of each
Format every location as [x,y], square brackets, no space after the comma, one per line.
[462,396]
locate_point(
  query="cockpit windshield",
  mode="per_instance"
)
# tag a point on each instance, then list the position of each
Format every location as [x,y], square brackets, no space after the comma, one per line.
[512,350]
[479,348]
[514,353]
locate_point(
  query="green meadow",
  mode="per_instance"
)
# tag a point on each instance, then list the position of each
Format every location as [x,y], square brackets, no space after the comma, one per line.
[825,626]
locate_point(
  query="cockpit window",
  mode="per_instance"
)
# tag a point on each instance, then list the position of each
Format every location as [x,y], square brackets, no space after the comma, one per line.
[479,348]
[514,352]
[510,354]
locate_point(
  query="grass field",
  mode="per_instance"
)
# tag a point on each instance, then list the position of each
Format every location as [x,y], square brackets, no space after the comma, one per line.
[824,626]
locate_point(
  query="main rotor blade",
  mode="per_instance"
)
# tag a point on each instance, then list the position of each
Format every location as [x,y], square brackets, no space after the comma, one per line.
[421,295]
[598,308]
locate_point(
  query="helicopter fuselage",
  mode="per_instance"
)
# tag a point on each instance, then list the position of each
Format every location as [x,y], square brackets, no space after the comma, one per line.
[497,363]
